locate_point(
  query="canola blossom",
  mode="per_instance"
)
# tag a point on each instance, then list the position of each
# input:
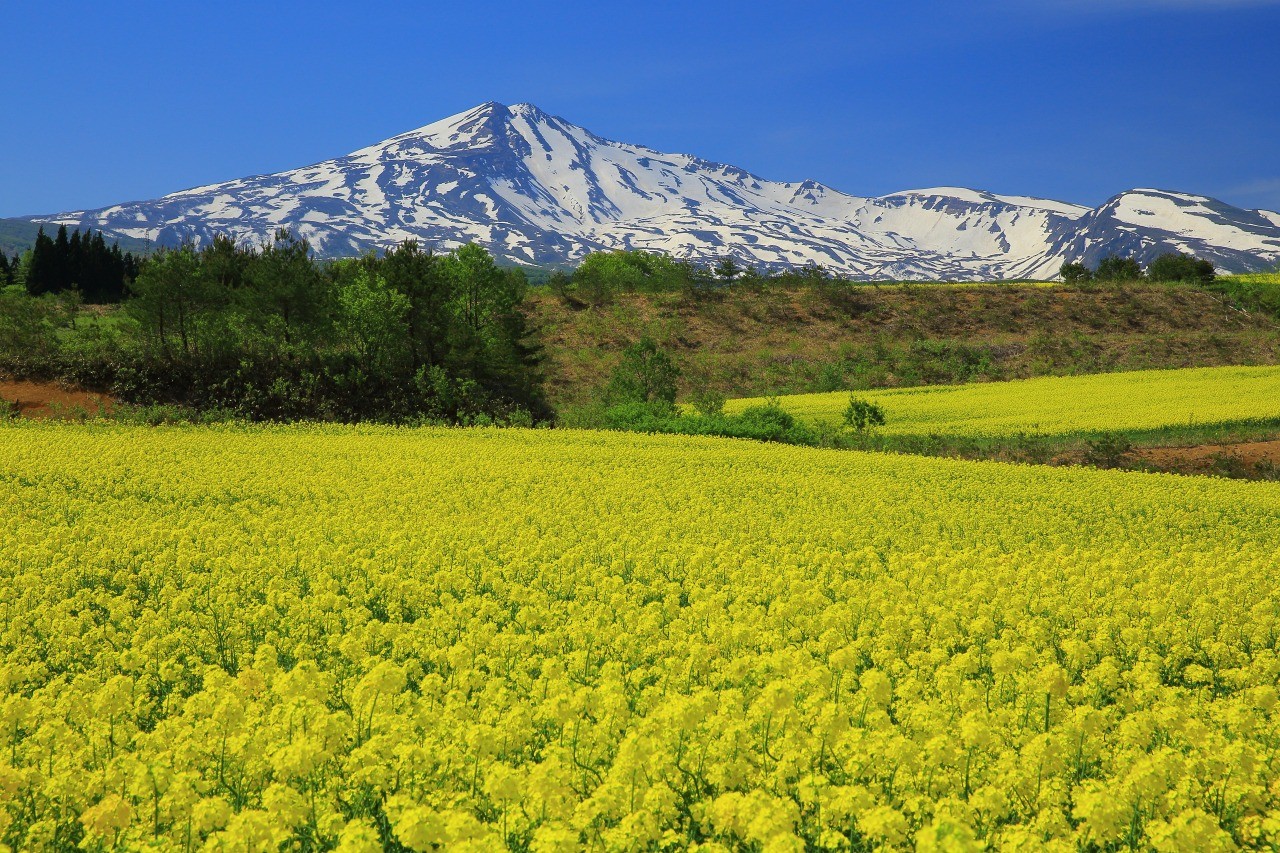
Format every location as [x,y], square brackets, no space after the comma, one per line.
[1054,405]
[236,638]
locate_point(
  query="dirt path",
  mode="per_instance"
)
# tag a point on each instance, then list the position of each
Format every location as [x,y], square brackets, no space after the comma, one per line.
[1248,452]
[47,400]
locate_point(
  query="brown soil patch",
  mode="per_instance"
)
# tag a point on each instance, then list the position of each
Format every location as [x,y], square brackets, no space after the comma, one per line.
[1249,453]
[48,400]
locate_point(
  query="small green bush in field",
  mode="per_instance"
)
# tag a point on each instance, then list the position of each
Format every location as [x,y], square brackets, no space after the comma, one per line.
[861,415]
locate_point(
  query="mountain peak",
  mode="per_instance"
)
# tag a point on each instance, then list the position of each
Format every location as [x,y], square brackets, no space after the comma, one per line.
[534,188]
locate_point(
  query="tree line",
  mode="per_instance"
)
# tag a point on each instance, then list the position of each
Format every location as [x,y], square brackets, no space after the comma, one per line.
[601,276]
[272,333]
[84,263]
[1169,267]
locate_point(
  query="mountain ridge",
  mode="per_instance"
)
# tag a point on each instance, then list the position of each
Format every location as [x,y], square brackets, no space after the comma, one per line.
[537,189]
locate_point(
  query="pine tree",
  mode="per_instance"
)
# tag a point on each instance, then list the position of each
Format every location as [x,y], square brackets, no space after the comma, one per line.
[40,272]
[61,278]
[75,263]
[6,274]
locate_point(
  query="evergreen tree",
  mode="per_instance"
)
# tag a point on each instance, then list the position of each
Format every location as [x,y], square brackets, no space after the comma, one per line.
[41,269]
[646,375]
[6,274]
[423,280]
[74,262]
[284,293]
[60,278]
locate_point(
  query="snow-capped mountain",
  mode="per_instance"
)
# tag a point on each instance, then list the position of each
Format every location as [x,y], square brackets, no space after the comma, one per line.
[535,189]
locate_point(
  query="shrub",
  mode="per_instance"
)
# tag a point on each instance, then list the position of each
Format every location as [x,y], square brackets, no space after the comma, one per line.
[1175,266]
[708,403]
[1108,451]
[861,415]
[1113,268]
[1075,273]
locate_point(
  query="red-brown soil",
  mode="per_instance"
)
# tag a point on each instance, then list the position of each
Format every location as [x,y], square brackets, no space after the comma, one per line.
[1249,453]
[49,400]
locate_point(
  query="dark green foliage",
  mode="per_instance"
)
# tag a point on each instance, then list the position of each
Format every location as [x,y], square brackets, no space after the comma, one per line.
[727,270]
[1108,451]
[603,275]
[78,262]
[1075,273]
[861,415]
[270,334]
[1176,266]
[1114,268]
[645,375]
[708,402]
[769,422]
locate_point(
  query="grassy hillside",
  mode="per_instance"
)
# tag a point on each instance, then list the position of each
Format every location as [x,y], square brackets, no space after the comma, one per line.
[752,343]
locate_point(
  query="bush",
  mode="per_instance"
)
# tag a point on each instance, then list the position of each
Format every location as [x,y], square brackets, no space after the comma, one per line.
[708,403]
[1075,273]
[1175,266]
[1113,268]
[1108,451]
[861,415]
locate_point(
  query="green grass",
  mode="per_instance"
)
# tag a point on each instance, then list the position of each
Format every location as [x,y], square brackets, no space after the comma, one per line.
[1061,405]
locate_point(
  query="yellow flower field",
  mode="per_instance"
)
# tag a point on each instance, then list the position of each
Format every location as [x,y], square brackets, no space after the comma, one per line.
[336,638]
[1145,399]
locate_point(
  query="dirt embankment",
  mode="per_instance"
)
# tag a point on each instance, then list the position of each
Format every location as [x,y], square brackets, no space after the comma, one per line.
[49,400]
[1255,460]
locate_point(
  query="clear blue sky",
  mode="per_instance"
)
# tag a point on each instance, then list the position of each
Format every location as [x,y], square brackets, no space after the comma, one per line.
[1072,99]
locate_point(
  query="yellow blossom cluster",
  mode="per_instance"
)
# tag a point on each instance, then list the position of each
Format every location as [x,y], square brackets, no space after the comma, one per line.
[356,639]
[1054,405]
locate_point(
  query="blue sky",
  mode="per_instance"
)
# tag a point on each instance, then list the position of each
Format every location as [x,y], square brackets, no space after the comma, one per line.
[1071,99]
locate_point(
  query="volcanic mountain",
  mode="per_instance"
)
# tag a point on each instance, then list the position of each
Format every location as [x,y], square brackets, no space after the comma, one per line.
[536,189]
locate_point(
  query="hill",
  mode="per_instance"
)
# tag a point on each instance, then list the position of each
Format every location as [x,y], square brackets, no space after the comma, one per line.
[535,189]
[744,343]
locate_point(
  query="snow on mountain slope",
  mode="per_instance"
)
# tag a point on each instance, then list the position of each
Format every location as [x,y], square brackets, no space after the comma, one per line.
[536,189]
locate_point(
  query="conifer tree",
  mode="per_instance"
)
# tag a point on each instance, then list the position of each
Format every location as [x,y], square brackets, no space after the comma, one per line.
[40,272]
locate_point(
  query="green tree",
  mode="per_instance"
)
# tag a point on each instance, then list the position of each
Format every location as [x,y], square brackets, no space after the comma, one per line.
[1114,268]
[646,374]
[1075,273]
[284,297]
[425,282]
[41,266]
[1176,266]
[371,319]
[481,290]
[171,303]
[727,270]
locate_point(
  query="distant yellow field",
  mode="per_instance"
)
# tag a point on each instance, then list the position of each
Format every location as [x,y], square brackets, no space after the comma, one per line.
[1256,277]
[1147,399]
